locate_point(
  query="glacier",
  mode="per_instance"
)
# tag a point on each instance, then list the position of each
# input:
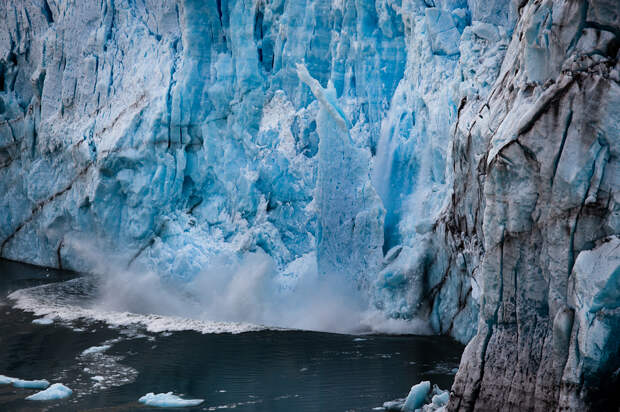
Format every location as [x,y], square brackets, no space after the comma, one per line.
[455,162]
[176,134]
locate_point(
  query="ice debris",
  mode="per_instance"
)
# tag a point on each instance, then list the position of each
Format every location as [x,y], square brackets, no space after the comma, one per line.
[21,383]
[168,400]
[417,396]
[56,391]
[420,398]
[43,321]
[96,349]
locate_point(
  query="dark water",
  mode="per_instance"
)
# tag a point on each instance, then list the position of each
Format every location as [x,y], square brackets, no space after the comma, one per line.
[252,371]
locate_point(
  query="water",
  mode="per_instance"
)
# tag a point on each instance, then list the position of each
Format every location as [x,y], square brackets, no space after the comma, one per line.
[262,370]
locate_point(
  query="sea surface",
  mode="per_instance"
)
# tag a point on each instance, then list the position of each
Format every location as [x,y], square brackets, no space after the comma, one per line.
[111,361]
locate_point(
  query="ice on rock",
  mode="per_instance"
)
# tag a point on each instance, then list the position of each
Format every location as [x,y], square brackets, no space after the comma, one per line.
[54,392]
[595,296]
[597,278]
[168,400]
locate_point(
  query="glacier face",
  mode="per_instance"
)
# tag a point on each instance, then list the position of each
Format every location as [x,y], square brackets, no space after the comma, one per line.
[171,133]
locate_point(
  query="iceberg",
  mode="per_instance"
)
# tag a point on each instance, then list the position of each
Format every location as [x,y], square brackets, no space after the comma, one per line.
[54,392]
[417,396]
[26,384]
[95,349]
[43,321]
[420,399]
[168,400]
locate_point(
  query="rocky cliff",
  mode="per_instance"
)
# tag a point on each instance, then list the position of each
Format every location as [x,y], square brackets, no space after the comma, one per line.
[542,160]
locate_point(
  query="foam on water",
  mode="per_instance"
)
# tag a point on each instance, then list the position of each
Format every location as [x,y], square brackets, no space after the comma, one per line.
[76,300]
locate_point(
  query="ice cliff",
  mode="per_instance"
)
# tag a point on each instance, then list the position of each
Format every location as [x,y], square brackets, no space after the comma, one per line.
[455,160]
[172,133]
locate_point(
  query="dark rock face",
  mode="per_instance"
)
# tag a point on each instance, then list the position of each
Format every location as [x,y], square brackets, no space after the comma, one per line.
[544,158]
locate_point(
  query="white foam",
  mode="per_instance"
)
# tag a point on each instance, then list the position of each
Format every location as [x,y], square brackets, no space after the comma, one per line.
[69,301]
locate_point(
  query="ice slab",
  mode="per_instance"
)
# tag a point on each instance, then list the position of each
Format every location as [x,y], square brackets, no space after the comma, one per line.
[21,383]
[96,349]
[168,400]
[417,396]
[56,391]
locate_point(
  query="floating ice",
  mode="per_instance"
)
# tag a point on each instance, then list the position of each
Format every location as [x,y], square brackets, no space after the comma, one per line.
[421,399]
[5,380]
[21,383]
[417,396]
[96,349]
[43,321]
[168,400]
[56,391]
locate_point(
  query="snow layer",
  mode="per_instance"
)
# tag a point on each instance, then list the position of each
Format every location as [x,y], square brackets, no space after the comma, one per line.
[54,392]
[168,400]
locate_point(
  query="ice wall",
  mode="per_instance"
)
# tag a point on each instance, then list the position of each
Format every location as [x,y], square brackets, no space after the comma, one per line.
[169,133]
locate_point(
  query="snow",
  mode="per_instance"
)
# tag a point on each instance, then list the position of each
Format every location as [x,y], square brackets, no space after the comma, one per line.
[168,400]
[54,392]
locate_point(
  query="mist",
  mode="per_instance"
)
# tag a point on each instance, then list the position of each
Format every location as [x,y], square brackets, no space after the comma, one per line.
[246,289]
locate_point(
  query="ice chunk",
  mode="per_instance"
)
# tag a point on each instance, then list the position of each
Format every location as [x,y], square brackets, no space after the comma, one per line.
[35,384]
[5,380]
[417,396]
[443,31]
[56,391]
[597,277]
[20,383]
[43,321]
[350,213]
[168,400]
[96,349]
